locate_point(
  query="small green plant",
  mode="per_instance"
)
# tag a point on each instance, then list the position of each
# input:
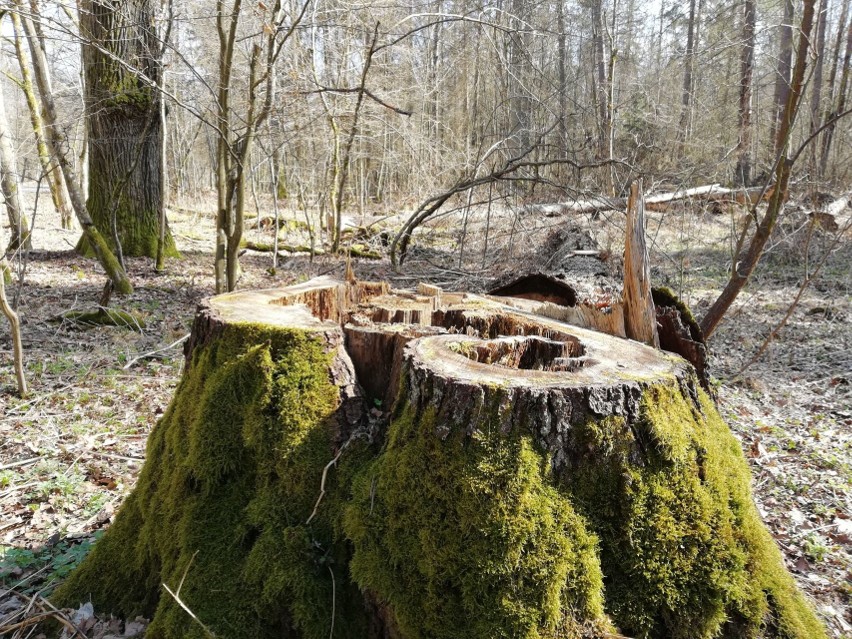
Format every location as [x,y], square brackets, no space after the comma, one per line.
[95,504]
[814,548]
[56,561]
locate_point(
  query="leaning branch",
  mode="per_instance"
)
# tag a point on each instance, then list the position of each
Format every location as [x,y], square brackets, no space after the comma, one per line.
[62,149]
[399,246]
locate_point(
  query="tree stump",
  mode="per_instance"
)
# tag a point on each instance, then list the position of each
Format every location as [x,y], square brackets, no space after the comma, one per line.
[343,460]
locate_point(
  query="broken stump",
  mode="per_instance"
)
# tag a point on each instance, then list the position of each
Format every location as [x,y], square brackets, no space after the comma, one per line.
[344,460]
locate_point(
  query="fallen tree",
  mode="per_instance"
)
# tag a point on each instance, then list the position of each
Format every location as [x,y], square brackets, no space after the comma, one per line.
[533,479]
[656,201]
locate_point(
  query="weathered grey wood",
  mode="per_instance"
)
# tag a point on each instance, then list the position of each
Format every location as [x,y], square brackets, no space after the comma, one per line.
[658,201]
[640,321]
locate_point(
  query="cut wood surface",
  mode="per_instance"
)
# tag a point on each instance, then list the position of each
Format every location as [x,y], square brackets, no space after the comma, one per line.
[342,459]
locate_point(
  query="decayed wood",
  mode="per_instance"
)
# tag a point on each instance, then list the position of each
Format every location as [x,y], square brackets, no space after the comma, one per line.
[557,299]
[377,324]
[639,317]
[460,336]
[476,396]
[679,333]
[658,201]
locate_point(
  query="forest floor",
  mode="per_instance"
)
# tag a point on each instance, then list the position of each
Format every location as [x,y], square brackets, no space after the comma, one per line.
[71,452]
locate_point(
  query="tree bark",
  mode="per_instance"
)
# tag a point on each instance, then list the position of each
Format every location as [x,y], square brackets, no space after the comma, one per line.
[18,222]
[15,330]
[782,74]
[62,149]
[600,83]
[840,105]
[58,192]
[121,58]
[351,461]
[688,72]
[817,86]
[655,202]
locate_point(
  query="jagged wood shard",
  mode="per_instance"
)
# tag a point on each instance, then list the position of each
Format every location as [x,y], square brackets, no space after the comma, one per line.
[346,460]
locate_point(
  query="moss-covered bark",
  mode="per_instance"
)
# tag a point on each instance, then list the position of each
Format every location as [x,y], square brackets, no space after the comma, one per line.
[231,476]
[469,537]
[136,219]
[122,67]
[545,492]
[682,547]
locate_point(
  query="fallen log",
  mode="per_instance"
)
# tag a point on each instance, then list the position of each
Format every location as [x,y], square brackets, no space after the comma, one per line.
[655,202]
[532,479]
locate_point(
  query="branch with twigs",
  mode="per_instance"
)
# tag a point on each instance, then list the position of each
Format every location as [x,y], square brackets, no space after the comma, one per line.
[399,246]
[804,286]
[26,617]
[155,352]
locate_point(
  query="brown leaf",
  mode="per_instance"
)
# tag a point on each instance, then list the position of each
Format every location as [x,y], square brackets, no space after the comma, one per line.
[802,565]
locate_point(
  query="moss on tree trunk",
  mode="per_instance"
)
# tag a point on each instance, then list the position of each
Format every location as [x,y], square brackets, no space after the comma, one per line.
[122,67]
[533,480]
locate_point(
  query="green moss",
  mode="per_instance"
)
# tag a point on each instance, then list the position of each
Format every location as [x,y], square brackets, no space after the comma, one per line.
[127,92]
[650,527]
[137,222]
[93,244]
[364,252]
[105,317]
[466,537]
[232,474]
[683,549]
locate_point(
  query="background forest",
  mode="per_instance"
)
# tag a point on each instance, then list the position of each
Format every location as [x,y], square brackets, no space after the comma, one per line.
[438,141]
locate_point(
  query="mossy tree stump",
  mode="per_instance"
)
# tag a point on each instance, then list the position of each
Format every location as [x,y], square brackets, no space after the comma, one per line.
[532,479]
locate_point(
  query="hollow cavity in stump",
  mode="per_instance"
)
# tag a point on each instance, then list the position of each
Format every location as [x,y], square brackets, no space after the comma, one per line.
[523,478]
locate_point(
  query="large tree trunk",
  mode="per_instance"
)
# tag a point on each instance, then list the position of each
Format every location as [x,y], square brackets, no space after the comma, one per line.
[122,69]
[532,479]
[62,151]
[782,73]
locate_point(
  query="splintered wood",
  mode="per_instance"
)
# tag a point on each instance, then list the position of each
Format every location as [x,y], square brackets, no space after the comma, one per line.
[470,339]
[640,322]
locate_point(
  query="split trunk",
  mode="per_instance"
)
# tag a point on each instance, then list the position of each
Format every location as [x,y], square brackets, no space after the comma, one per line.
[343,460]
